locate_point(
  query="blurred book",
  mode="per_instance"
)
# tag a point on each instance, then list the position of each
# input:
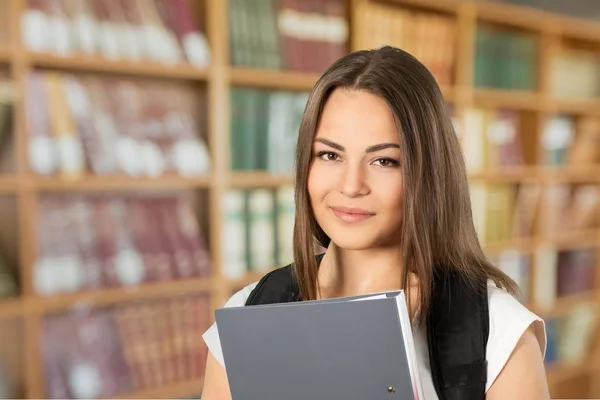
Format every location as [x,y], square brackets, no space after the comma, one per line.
[574,8]
[430,37]
[257,230]
[133,30]
[91,242]
[7,101]
[119,350]
[492,139]
[569,209]
[505,59]
[571,141]
[562,273]
[81,124]
[264,129]
[9,282]
[517,266]
[571,335]
[569,63]
[298,35]
[493,208]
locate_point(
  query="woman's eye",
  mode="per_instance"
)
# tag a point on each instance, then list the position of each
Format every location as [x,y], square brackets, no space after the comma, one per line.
[386,162]
[327,156]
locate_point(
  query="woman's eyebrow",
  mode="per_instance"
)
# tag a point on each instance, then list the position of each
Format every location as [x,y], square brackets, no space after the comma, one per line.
[370,149]
[381,146]
[330,144]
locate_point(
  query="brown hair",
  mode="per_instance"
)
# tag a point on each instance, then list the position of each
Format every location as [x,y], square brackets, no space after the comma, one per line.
[437,231]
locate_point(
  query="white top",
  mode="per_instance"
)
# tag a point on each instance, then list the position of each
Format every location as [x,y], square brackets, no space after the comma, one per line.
[508,321]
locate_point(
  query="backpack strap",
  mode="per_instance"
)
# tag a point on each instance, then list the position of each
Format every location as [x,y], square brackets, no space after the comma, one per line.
[277,286]
[457,335]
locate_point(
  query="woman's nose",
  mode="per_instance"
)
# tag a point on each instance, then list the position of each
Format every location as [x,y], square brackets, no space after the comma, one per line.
[353,181]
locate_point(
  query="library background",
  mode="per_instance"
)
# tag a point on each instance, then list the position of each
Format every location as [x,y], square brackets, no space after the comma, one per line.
[146,152]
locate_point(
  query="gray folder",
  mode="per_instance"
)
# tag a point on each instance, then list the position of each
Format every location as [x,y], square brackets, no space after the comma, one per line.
[346,348]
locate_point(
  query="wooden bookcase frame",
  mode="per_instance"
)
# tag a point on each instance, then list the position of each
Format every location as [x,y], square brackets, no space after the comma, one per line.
[29,308]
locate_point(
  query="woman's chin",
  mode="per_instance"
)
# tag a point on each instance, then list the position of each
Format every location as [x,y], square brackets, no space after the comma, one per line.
[353,243]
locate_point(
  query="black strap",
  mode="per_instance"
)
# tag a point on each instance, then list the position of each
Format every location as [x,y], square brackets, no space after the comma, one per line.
[457,335]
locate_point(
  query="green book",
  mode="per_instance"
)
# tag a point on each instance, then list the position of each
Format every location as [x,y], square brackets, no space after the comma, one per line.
[235,34]
[268,23]
[484,63]
[261,132]
[243,126]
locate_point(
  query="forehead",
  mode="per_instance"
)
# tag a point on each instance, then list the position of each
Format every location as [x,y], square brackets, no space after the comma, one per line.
[357,116]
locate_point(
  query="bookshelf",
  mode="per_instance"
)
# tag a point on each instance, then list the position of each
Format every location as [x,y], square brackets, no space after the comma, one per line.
[124,68]
[215,82]
[4,54]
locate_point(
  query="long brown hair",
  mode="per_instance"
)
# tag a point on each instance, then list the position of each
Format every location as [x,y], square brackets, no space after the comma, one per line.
[437,232]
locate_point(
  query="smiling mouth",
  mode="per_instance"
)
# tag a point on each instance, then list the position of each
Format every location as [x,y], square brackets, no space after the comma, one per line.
[351,214]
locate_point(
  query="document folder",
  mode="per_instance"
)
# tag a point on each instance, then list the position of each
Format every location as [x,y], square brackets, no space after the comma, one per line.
[357,347]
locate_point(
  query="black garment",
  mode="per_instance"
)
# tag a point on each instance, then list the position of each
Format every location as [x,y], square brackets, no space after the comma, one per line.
[457,329]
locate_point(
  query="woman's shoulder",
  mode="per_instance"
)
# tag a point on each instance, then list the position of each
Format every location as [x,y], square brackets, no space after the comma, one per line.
[509,319]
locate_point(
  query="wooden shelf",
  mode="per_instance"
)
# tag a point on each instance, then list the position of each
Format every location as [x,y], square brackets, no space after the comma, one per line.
[272,79]
[561,372]
[8,184]
[259,179]
[567,174]
[516,16]
[578,28]
[183,390]
[547,174]
[523,245]
[563,304]
[447,6]
[450,93]
[247,279]
[138,68]
[516,174]
[576,106]
[11,307]
[5,54]
[92,183]
[514,99]
[111,296]
[572,240]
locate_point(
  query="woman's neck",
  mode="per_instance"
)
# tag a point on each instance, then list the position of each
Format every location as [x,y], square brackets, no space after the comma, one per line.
[353,272]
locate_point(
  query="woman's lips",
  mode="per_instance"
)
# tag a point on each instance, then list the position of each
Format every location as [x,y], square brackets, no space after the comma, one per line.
[347,214]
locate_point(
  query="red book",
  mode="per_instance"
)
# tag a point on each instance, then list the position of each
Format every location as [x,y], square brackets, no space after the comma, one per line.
[54,343]
[189,229]
[290,45]
[162,270]
[105,244]
[337,11]
[189,32]
[85,236]
[99,355]
[42,157]
[181,256]
[127,328]
[129,268]
[201,310]
[178,335]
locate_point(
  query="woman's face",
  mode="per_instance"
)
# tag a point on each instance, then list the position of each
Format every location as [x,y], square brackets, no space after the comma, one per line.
[355,180]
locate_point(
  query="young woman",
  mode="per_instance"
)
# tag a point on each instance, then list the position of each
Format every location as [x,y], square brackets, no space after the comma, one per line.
[381,183]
